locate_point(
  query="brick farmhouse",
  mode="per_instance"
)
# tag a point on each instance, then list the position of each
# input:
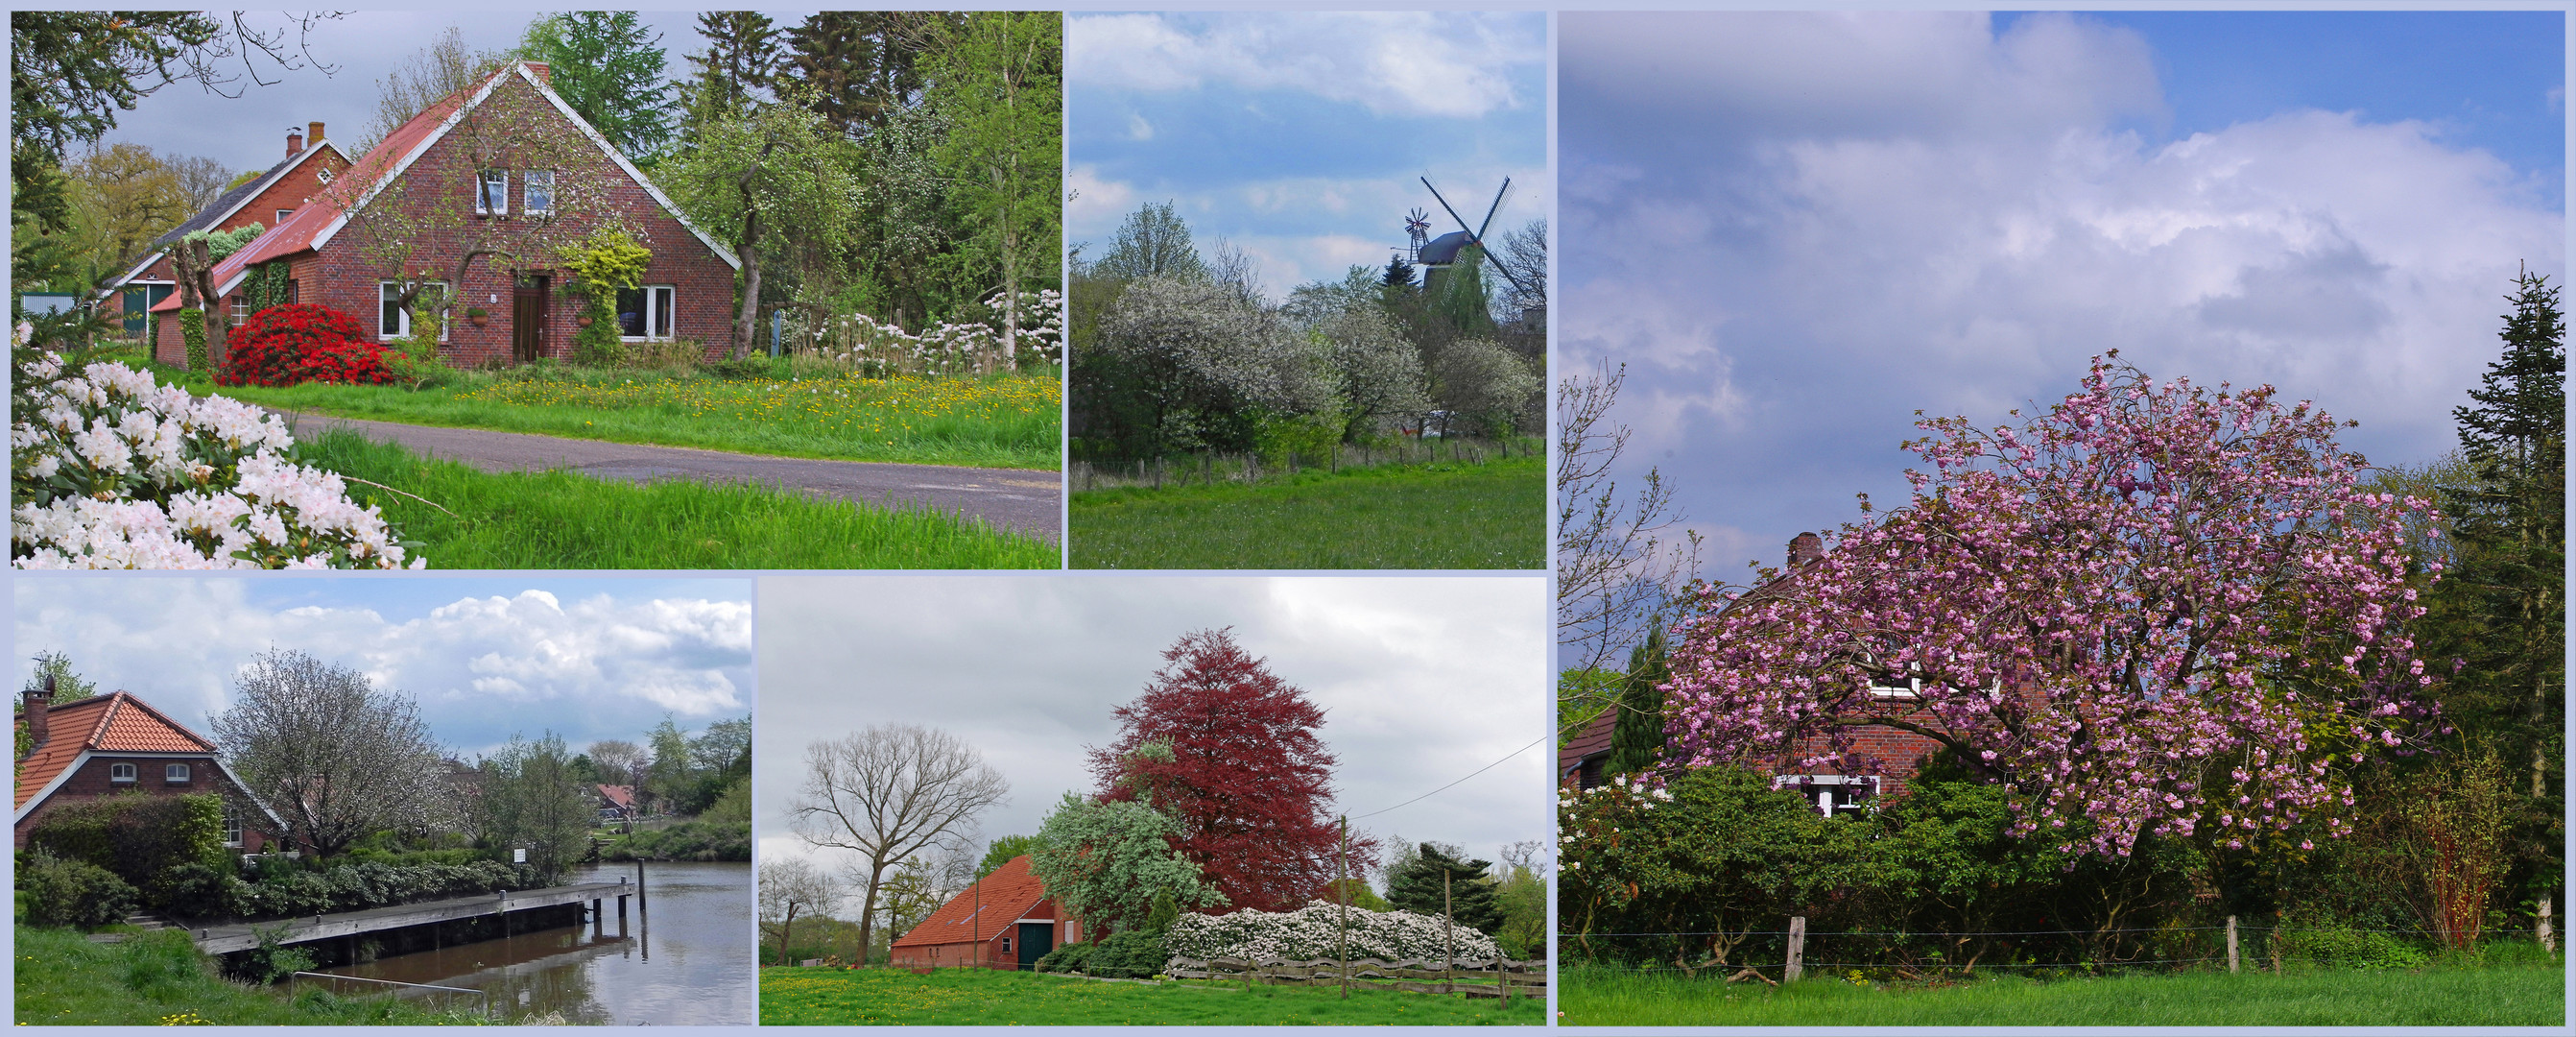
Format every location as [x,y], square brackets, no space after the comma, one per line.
[114,744]
[311,162]
[1003,921]
[496,177]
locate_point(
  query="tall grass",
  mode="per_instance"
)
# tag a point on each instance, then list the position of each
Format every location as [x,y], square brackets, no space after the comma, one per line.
[970,997]
[159,979]
[2514,985]
[560,520]
[1446,515]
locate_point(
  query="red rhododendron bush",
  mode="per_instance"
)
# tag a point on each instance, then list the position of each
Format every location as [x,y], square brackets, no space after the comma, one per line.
[303,342]
[2155,609]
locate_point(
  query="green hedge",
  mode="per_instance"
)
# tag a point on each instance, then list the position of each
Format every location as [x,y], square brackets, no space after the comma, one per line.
[686,841]
[163,846]
[366,884]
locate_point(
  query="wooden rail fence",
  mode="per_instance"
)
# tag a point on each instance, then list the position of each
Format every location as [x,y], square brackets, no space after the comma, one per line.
[1501,978]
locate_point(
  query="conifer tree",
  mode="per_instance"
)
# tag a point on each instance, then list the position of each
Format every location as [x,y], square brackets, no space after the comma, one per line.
[1637,743]
[1416,887]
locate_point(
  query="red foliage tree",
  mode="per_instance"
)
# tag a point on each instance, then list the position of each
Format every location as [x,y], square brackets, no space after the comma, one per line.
[285,345]
[1230,750]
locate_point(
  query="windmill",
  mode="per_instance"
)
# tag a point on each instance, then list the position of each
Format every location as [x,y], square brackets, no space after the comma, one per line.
[1444,249]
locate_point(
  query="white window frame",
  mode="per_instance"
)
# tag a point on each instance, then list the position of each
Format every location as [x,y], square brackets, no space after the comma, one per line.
[1819,790]
[490,186]
[403,318]
[669,296]
[232,824]
[282,214]
[174,774]
[529,192]
[120,773]
[323,174]
[240,308]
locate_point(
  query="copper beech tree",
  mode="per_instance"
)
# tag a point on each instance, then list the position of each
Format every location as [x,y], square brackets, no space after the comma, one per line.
[2152,610]
[1230,752]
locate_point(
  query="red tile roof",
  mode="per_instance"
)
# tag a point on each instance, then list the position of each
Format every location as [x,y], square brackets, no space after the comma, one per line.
[1594,738]
[619,796]
[114,722]
[1006,896]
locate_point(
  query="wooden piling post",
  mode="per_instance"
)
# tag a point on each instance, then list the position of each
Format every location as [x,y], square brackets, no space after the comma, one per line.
[1797,966]
[2231,943]
[503,905]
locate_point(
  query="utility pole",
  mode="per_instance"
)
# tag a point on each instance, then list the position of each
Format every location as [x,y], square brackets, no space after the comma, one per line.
[1345,948]
[1448,939]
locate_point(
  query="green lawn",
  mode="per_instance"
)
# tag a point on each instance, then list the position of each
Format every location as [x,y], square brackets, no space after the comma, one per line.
[561,520]
[997,421]
[2508,990]
[159,979]
[1444,515]
[964,997]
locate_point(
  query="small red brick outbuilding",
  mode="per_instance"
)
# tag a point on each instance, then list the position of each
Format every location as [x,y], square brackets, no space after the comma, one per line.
[1003,921]
[114,743]
[424,179]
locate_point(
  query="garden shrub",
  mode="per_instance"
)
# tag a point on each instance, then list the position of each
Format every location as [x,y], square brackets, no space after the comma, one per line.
[1314,933]
[73,893]
[1134,954]
[167,847]
[1071,957]
[305,342]
[2313,938]
[367,884]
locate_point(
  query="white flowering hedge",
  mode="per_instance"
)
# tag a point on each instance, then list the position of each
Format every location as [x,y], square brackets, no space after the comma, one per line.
[111,470]
[1314,933]
[870,346]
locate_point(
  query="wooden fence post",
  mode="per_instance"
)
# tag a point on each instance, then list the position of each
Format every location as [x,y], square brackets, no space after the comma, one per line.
[1797,950]
[2231,943]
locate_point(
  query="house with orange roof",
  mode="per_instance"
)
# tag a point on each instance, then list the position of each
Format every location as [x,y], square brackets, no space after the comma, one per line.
[474,199]
[1003,921]
[271,198]
[114,744]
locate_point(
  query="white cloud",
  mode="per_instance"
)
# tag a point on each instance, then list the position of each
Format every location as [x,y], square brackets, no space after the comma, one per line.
[1392,62]
[1138,128]
[1092,200]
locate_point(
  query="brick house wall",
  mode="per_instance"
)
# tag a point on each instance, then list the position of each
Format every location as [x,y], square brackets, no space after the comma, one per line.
[96,777]
[293,191]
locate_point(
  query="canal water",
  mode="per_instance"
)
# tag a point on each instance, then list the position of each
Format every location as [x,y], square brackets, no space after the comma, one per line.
[686,960]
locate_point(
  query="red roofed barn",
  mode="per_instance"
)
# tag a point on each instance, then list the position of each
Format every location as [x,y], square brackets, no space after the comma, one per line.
[495,178]
[1003,921]
[114,743]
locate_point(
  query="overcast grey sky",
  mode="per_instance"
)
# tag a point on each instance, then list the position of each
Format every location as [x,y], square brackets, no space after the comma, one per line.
[1422,680]
[486,657]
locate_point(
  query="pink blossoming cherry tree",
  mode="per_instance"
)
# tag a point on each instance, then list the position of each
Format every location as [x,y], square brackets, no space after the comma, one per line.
[2152,610]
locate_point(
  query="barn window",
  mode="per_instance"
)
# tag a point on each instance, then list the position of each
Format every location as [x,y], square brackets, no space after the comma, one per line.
[492,193]
[120,772]
[1833,795]
[1006,945]
[645,313]
[538,186]
[175,774]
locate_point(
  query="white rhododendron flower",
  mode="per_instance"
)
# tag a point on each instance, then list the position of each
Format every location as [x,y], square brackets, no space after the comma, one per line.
[110,469]
[1314,933]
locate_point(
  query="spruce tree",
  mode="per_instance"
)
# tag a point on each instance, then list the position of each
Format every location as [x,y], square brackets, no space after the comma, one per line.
[1416,886]
[1637,743]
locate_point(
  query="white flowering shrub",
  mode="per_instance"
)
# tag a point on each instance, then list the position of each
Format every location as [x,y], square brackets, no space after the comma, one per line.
[1314,933]
[111,470]
[883,349]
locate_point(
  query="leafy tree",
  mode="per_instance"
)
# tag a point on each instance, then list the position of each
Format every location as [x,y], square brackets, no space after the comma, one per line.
[996,80]
[337,758]
[441,68]
[666,776]
[608,66]
[1238,766]
[531,798]
[1108,860]
[68,684]
[1521,897]
[2152,610]
[888,792]
[778,170]
[1152,242]
[132,196]
[1418,887]
[1378,372]
[1486,389]
[1003,850]
[1186,364]
[1637,741]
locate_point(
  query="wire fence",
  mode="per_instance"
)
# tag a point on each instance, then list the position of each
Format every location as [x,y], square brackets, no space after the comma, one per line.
[1243,468]
[1767,954]
[439,998]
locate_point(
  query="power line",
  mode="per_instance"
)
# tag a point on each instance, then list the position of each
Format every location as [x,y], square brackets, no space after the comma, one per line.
[1454,784]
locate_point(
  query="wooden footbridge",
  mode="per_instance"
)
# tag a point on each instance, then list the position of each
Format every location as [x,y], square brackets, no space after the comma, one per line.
[223,939]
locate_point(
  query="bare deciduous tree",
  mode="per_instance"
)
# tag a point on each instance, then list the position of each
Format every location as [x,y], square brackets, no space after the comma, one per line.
[618,761]
[792,886]
[890,791]
[332,755]
[1617,564]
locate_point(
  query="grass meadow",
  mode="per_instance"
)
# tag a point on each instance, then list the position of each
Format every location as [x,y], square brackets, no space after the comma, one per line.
[471,519]
[159,979]
[968,997]
[2513,986]
[996,421]
[1440,515]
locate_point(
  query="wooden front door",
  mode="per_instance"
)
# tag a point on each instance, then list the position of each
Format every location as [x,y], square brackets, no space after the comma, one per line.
[528,318]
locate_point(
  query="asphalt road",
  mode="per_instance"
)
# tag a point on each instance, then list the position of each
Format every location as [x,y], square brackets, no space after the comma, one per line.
[1018,499]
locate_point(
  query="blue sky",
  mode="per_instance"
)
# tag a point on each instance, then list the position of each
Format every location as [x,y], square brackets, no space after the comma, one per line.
[1798,229]
[1297,136]
[485,657]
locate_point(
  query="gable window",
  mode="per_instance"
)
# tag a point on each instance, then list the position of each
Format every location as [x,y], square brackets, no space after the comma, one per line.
[391,320]
[492,193]
[120,772]
[323,174]
[175,774]
[232,823]
[538,192]
[645,312]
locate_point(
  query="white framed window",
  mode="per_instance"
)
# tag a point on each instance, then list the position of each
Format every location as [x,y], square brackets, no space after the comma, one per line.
[120,772]
[1833,795]
[232,824]
[645,313]
[537,192]
[175,774]
[282,214]
[323,174]
[492,193]
[391,321]
[241,308]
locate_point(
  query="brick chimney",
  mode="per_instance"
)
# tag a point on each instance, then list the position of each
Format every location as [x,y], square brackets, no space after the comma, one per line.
[1804,548]
[545,73]
[37,699]
[294,143]
[314,136]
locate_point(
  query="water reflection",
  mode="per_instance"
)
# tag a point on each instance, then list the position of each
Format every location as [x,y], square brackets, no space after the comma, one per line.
[685,958]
